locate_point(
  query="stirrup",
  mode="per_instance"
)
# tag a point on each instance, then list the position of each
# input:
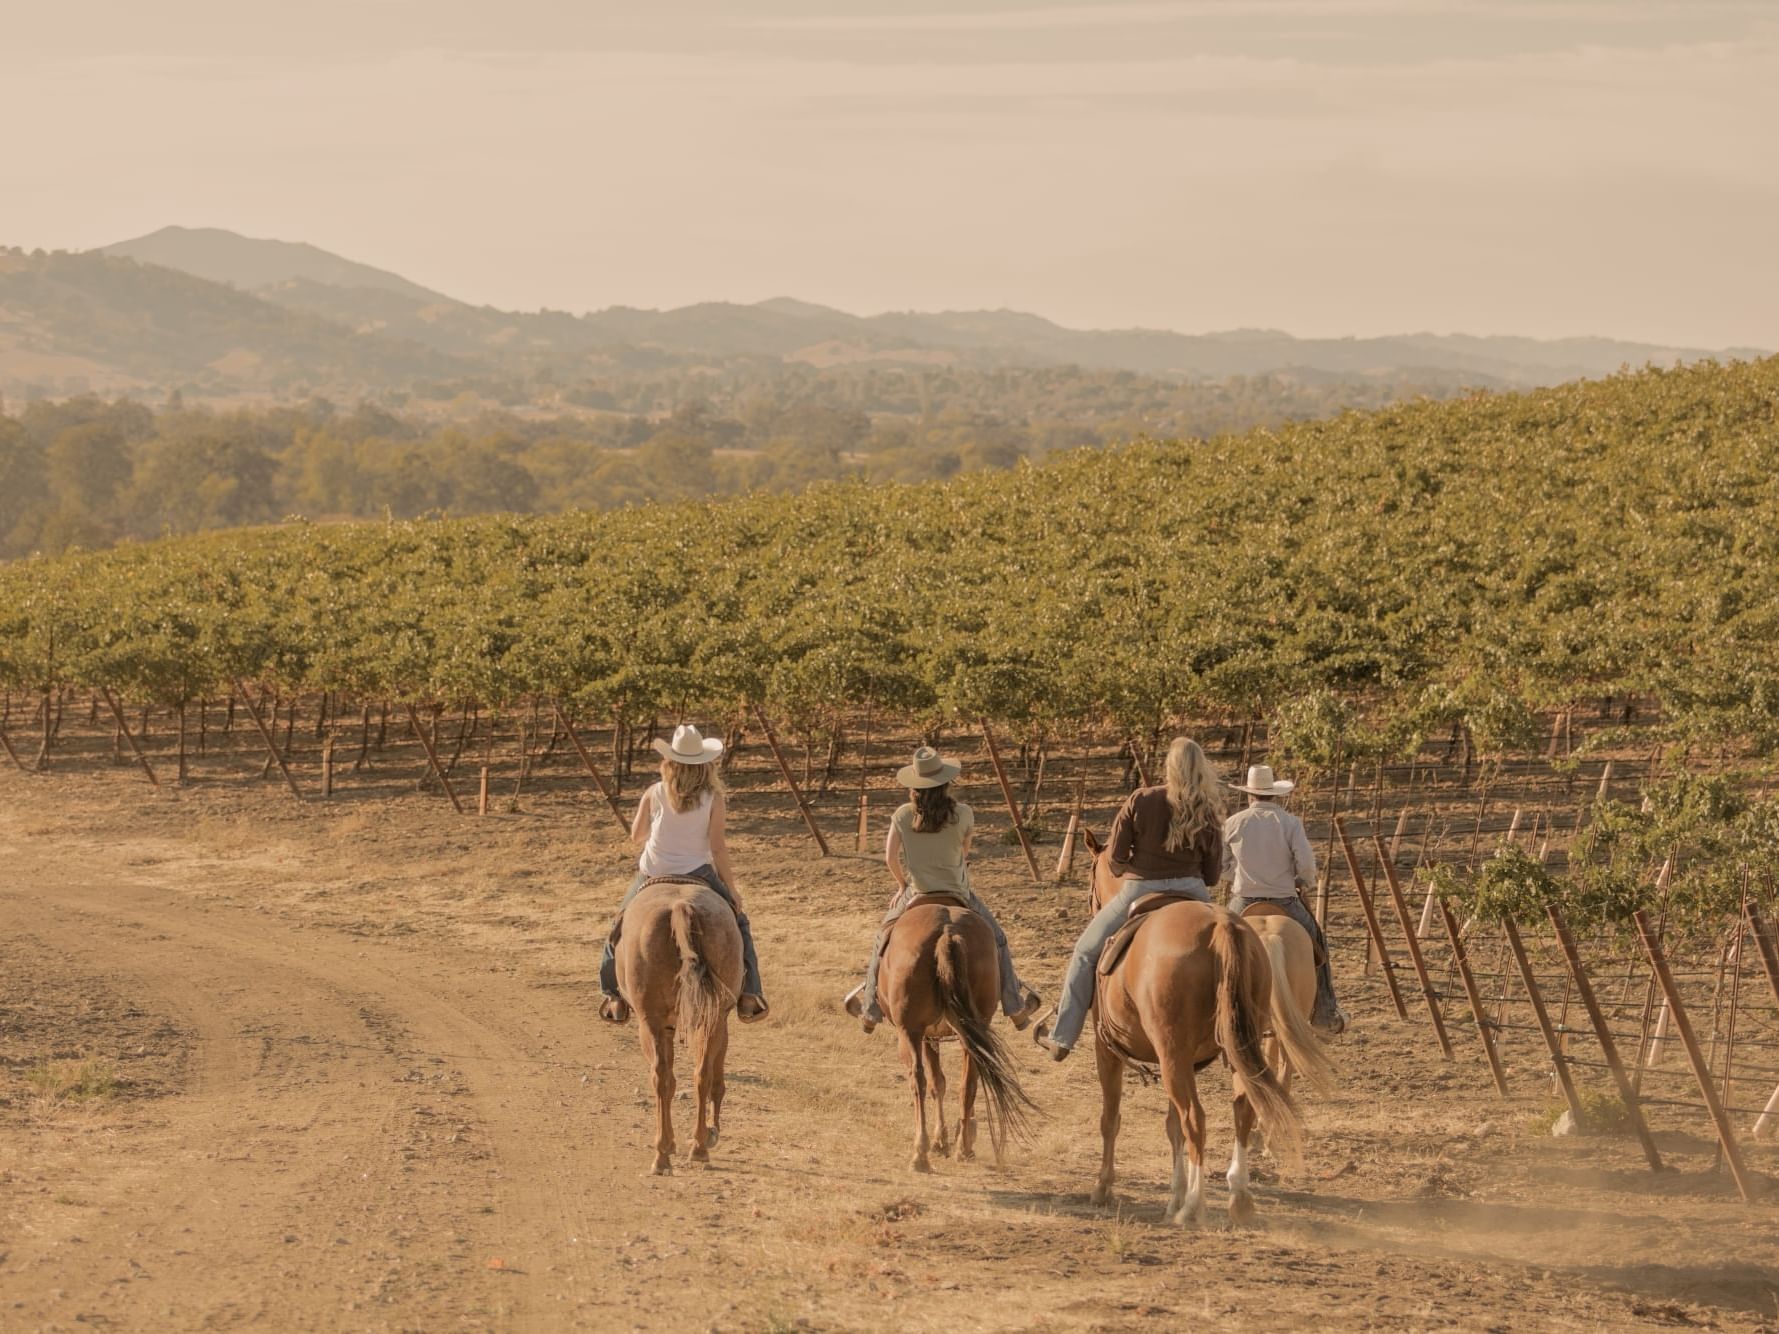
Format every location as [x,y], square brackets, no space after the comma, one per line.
[1041,1036]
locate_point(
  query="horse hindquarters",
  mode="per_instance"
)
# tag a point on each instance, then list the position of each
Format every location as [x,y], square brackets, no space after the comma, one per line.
[963,998]
[1244,995]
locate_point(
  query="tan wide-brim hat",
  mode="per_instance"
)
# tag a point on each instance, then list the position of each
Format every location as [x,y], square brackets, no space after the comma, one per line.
[1261,783]
[928,770]
[689,746]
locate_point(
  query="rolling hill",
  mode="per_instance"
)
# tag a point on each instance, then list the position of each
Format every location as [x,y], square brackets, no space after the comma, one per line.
[226,313]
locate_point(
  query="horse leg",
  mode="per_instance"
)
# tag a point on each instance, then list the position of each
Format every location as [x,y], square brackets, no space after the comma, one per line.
[1241,1203]
[1276,1062]
[912,1057]
[942,1145]
[717,1086]
[966,1128]
[657,1050]
[1185,1130]
[709,1064]
[1111,1071]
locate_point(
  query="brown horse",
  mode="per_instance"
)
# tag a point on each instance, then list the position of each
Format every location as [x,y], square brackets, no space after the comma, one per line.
[940,976]
[1196,982]
[679,967]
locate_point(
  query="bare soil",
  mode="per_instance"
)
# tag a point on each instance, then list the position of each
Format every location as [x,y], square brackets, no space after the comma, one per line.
[358,1081]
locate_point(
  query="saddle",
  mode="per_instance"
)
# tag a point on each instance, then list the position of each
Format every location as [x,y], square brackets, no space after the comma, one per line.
[1115,949]
[1267,908]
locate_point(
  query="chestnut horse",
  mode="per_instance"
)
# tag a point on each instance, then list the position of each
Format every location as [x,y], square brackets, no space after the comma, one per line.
[679,967]
[1196,982]
[940,976]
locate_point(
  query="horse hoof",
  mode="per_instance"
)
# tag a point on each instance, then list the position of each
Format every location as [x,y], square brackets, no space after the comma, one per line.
[966,1155]
[943,1150]
[661,1170]
[701,1155]
[1241,1210]
[921,1165]
[1101,1197]
[710,1141]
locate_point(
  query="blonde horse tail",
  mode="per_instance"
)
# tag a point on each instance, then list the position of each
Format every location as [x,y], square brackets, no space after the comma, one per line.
[1306,1054]
[1241,1014]
[1008,1105]
[703,999]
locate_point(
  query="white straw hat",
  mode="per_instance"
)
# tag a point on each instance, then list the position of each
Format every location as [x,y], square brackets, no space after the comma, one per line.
[689,746]
[928,770]
[1261,783]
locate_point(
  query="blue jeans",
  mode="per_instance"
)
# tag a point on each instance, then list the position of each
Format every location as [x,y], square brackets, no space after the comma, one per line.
[1326,1006]
[1078,983]
[750,962]
[1012,992]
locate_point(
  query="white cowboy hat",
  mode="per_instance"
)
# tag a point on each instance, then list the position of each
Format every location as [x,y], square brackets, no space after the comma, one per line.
[928,770]
[1261,783]
[689,747]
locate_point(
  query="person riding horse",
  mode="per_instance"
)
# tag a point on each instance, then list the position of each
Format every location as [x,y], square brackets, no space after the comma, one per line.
[1272,856]
[1166,839]
[927,852]
[680,823]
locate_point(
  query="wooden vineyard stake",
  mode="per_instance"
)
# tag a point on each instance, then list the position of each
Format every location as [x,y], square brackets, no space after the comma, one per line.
[1065,860]
[1769,960]
[482,793]
[1371,921]
[605,790]
[432,758]
[1470,992]
[266,736]
[1605,782]
[1732,1151]
[1136,760]
[327,766]
[1025,843]
[1414,948]
[1558,1061]
[1608,1048]
[791,782]
[129,736]
[864,821]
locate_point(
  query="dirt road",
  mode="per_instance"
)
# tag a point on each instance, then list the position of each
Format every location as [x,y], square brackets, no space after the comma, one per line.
[360,1084]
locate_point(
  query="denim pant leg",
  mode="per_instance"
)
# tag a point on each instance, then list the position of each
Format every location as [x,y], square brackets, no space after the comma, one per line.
[608,958]
[1012,1001]
[868,993]
[1078,982]
[1294,908]
[750,962]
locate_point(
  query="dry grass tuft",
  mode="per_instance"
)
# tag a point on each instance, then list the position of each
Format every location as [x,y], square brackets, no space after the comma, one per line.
[81,1081]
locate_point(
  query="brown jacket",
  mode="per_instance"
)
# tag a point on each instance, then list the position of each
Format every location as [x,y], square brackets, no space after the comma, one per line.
[1139,842]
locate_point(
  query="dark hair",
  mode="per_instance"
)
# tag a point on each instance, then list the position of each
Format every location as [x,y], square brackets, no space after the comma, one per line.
[933,808]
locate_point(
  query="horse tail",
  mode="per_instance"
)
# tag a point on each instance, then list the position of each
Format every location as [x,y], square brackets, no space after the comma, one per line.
[1307,1055]
[1241,1011]
[1008,1105]
[703,998]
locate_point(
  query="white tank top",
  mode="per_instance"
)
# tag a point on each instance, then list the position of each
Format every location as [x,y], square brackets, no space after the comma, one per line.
[679,841]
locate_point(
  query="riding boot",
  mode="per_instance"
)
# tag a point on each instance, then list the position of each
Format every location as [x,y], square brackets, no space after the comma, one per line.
[752,1006]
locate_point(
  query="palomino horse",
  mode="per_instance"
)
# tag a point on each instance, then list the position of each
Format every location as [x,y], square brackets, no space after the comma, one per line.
[1195,982]
[679,967]
[940,976]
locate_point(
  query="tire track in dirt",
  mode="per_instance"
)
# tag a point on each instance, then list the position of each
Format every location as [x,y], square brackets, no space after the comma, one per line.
[364,1128]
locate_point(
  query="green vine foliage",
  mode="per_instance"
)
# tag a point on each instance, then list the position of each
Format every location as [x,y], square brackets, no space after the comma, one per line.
[1363,580]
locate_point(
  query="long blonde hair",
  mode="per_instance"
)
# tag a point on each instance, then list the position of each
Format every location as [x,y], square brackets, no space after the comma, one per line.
[1194,792]
[686,784]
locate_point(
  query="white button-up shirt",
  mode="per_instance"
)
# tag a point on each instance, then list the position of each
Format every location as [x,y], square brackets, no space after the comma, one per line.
[1270,851]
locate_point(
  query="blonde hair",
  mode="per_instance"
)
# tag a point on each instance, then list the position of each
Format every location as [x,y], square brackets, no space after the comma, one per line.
[1194,793]
[685,785]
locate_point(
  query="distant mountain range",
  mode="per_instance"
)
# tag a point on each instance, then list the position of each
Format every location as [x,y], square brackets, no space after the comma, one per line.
[224,313]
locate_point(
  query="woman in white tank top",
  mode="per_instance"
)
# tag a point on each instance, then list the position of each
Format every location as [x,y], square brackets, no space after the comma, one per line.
[680,823]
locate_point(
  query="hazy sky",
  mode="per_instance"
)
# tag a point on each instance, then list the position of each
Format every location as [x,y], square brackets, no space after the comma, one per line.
[1323,166]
